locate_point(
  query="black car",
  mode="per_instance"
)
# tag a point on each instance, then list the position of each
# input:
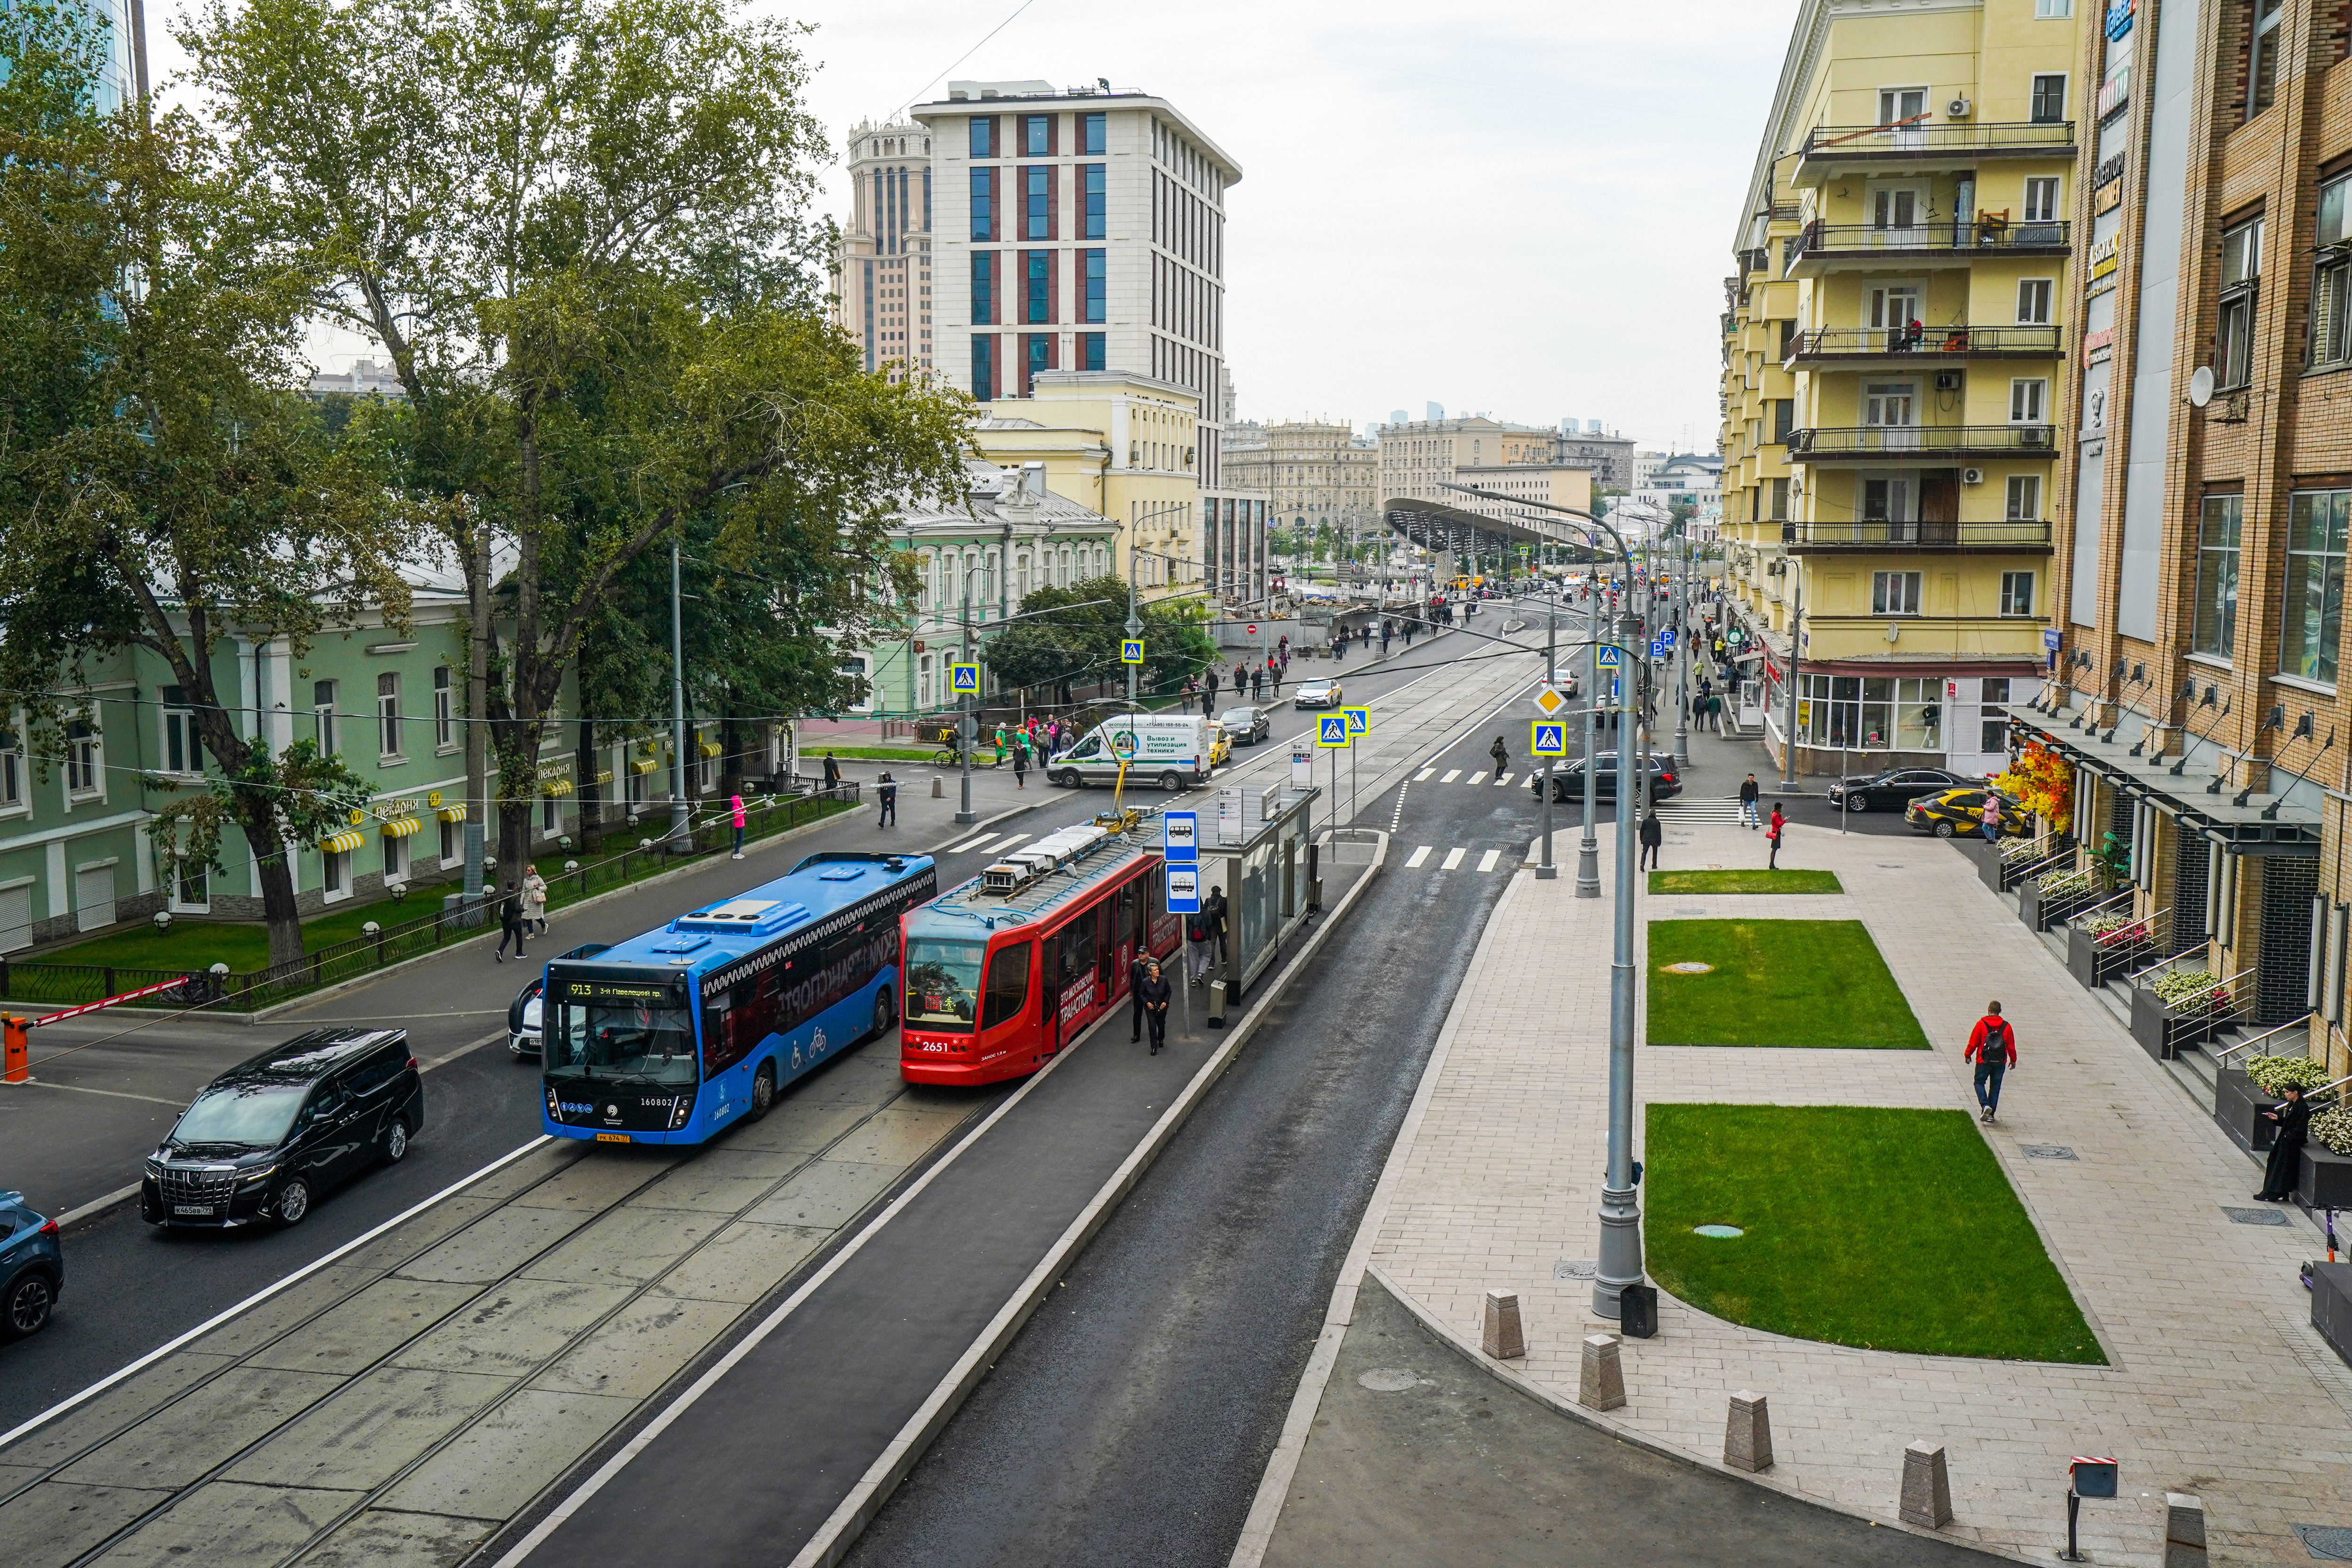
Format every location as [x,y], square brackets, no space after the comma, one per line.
[32,1269]
[1246,724]
[268,1138]
[1567,780]
[522,1013]
[1892,789]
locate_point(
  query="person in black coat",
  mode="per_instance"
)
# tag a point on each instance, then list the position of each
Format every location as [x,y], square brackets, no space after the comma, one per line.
[511,926]
[1155,993]
[1138,970]
[1653,836]
[832,772]
[1212,916]
[2285,1167]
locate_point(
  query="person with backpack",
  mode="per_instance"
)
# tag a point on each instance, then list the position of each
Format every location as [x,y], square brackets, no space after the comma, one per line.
[832,773]
[1772,834]
[1992,1046]
[1654,838]
[1502,755]
[1198,947]
[1212,913]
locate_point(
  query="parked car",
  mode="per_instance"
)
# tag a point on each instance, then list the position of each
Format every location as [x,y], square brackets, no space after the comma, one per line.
[1891,789]
[266,1139]
[1960,814]
[1316,694]
[522,1013]
[1567,780]
[32,1269]
[1247,723]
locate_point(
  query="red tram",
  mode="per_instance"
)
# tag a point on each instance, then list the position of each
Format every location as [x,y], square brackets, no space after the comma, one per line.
[1002,972]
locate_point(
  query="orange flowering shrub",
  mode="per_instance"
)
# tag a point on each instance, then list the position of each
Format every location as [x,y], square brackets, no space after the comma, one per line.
[2043,783]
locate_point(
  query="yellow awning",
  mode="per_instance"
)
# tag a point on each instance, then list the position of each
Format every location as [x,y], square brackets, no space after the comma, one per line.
[403,828]
[552,787]
[451,812]
[604,776]
[642,764]
[711,748]
[342,843]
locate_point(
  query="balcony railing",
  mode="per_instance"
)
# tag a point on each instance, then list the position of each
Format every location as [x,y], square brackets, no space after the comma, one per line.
[1858,533]
[1821,241]
[1899,441]
[2048,138]
[1857,343]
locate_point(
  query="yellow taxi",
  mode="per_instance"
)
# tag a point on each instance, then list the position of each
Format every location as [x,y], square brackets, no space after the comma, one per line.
[1960,814]
[1221,745]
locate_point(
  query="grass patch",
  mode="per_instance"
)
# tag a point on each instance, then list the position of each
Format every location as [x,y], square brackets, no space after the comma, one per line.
[1760,881]
[1776,983]
[1891,1230]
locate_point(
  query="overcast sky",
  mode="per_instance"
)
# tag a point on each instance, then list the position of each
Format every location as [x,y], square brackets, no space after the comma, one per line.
[1522,210]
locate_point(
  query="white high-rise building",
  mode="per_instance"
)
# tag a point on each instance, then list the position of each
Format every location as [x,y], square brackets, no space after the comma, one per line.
[883,271]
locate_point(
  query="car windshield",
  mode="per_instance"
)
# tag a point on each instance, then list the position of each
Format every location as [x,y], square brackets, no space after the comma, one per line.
[942,979]
[642,1032]
[1237,718]
[255,1114]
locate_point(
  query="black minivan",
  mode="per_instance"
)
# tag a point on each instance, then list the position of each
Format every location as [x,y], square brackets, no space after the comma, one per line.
[269,1137]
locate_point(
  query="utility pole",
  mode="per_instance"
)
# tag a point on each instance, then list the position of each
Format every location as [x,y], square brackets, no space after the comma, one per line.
[1620,1261]
[478,708]
[1587,854]
[968,728]
[1547,871]
[678,813]
[1682,652]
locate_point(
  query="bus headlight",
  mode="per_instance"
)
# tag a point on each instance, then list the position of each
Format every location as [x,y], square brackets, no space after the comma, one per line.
[680,1111]
[553,1108]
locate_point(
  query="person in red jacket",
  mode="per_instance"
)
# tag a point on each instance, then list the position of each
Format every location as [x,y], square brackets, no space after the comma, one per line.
[1992,1046]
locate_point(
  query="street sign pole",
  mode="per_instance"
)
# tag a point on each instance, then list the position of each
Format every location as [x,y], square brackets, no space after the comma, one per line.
[1588,853]
[1621,1262]
[1547,871]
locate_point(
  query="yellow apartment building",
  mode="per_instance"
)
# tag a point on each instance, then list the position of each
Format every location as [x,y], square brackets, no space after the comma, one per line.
[1893,353]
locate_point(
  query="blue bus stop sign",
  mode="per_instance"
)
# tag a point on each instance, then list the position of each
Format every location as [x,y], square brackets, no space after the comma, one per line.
[1183,890]
[1179,835]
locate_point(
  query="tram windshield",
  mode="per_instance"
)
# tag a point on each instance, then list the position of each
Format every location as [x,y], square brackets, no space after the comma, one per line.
[942,983]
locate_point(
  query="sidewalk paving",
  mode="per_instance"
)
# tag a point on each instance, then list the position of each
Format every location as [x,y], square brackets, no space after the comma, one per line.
[2217,1385]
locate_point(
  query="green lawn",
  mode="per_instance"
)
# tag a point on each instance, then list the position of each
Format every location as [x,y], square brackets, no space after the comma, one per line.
[1892,1230]
[1745,882]
[1776,983]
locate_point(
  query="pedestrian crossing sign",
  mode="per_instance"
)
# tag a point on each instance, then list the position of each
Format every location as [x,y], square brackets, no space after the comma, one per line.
[1549,738]
[963,678]
[1331,730]
[1359,720]
[1612,656]
[1130,650]
[1548,700]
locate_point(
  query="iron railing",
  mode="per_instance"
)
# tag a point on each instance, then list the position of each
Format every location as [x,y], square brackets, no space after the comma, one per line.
[1917,440]
[1860,342]
[1990,534]
[2051,138]
[2293,1024]
[2042,236]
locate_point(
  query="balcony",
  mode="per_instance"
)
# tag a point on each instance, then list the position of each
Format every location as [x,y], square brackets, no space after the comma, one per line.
[1952,144]
[1909,443]
[1987,536]
[1892,345]
[1845,246]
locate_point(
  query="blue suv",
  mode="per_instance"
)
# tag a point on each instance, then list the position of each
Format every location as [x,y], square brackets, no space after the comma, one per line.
[32,1269]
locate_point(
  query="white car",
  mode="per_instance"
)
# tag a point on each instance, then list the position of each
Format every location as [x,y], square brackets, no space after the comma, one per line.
[1316,694]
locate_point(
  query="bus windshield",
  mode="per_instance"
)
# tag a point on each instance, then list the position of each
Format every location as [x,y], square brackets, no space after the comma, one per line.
[647,1036]
[942,983]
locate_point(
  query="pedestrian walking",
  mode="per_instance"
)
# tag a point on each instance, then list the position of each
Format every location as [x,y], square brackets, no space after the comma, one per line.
[1019,767]
[1156,995]
[1000,748]
[534,902]
[1772,833]
[2285,1167]
[1992,1046]
[1654,837]
[886,790]
[1211,682]
[1991,818]
[510,924]
[1340,649]
[1502,755]
[1138,970]
[735,810]
[1213,910]
[1388,630]
[1200,945]
[1748,793]
[832,773]
[1257,685]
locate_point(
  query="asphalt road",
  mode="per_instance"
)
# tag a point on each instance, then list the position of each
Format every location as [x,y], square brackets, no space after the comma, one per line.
[1132,1418]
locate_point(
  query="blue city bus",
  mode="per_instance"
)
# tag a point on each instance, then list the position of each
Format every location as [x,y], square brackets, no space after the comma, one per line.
[674,1035]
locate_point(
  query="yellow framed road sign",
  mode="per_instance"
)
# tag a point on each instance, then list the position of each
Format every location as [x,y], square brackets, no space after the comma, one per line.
[1548,738]
[1331,731]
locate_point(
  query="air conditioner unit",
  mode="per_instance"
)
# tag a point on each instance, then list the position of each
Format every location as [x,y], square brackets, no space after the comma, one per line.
[1958,109]
[1947,381]
[1971,476]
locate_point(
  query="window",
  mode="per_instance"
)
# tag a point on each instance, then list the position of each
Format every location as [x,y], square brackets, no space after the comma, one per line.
[1037,355]
[2262,58]
[1037,203]
[1784,418]
[1894,592]
[983,203]
[445,709]
[1091,356]
[2034,302]
[2213,621]
[551,818]
[1008,983]
[1780,493]
[334,874]
[1038,299]
[983,287]
[2048,97]
[322,716]
[12,769]
[2017,593]
[1094,221]
[83,762]
[983,366]
[2041,199]
[1036,136]
[2331,343]
[1095,267]
[2052,10]
[2024,498]
[452,841]
[2242,269]
[1093,138]
[387,714]
[983,135]
[2313,606]
[180,745]
[2029,401]
[395,858]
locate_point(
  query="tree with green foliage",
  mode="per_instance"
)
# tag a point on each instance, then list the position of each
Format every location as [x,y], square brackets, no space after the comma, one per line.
[160,486]
[1071,636]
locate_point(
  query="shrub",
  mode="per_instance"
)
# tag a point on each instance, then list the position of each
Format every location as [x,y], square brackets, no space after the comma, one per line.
[2275,1075]
[2066,884]
[2179,985]
[2117,930]
[2333,1128]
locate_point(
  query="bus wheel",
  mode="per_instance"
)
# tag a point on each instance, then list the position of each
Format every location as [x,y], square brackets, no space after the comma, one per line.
[885,1014]
[763,1092]
[1171,782]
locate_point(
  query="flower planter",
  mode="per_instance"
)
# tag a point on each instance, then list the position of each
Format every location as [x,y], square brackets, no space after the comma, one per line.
[2149,1018]
[2238,1106]
[1988,859]
[2324,1178]
[2083,955]
[2028,904]
[2331,1305]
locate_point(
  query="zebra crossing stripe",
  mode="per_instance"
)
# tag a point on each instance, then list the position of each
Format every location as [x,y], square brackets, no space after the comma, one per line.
[1418,857]
[1486,861]
[1502,779]
[1450,777]
[970,844]
[1009,842]
[1453,858]
[1423,776]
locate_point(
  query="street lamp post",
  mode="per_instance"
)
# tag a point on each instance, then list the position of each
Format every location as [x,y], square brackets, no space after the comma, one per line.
[967,727]
[1796,645]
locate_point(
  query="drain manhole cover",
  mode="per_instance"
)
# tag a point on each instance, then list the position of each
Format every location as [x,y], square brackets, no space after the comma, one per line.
[1690,966]
[2328,1542]
[2046,1152]
[1390,1380]
[1574,1268]
[2255,1217]
[1717,1230]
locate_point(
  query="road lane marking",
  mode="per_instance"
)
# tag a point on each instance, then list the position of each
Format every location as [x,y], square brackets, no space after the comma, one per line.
[1502,779]
[1453,858]
[1423,776]
[1008,844]
[110,1093]
[1413,861]
[1450,777]
[969,843]
[1486,861]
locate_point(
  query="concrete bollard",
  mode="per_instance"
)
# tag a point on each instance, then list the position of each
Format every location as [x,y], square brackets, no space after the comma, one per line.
[1601,1381]
[2184,1531]
[1747,1433]
[939,787]
[1504,1339]
[1926,1487]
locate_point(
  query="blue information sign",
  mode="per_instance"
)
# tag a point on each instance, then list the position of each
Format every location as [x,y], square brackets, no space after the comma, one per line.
[1179,835]
[1549,739]
[1183,890]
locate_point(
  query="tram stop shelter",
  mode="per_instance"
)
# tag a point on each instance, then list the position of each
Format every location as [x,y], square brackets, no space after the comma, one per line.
[1258,848]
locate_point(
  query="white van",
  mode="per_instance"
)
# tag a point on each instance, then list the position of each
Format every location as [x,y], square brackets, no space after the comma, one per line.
[1167,749]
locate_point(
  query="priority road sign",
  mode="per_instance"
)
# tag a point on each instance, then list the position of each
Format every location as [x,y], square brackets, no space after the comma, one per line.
[1179,835]
[1548,738]
[963,678]
[1548,700]
[1331,730]
[1130,650]
[1183,890]
[1612,656]
[1359,720]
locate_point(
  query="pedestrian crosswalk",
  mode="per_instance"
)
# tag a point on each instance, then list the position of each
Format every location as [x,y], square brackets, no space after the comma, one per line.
[1451,775]
[995,844]
[1724,811]
[1454,857]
